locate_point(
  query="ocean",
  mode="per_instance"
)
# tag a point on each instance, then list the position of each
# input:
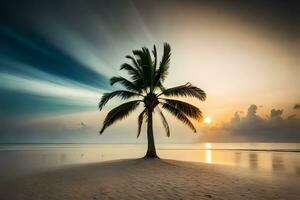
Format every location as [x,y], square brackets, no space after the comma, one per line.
[274,158]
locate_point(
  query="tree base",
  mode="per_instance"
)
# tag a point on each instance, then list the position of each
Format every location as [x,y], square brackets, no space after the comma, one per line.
[151,156]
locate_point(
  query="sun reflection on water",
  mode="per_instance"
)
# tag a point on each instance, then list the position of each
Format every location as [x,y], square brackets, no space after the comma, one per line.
[208,156]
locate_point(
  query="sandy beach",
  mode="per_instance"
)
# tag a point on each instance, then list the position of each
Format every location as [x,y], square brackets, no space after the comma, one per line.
[150,179]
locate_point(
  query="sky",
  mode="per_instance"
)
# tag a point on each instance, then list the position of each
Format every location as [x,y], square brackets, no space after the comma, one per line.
[56,58]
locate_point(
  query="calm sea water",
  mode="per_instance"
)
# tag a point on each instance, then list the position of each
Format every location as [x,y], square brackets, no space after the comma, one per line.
[274,158]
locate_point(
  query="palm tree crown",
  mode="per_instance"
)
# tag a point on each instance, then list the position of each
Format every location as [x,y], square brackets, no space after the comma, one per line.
[146,86]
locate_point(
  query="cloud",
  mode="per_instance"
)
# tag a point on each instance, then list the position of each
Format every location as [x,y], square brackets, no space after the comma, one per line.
[297,106]
[272,128]
[251,114]
[276,114]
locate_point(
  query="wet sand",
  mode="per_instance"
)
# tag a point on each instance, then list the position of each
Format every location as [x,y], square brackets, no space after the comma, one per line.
[150,179]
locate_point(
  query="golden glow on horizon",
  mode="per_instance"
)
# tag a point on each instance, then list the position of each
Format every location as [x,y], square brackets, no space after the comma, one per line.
[207,145]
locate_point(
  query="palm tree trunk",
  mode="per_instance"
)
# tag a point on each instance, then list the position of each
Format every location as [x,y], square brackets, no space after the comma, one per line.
[151,152]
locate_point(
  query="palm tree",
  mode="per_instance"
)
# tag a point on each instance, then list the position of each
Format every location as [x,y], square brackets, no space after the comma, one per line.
[146,85]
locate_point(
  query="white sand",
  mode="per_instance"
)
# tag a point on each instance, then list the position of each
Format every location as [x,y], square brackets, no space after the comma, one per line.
[151,179]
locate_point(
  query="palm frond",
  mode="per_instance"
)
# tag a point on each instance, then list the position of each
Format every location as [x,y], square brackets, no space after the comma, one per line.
[139,55]
[161,87]
[147,57]
[126,83]
[164,121]
[118,93]
[188,109]
[141,117]
[154,52]
[134,73]
[162,72]
[179,115]
[153,69]
[119,113]
[185,91]
[131,70]
[139,69]
[148,67]
[135,63]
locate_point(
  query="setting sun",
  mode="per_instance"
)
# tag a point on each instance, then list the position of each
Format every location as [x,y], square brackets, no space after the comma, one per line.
[207,120]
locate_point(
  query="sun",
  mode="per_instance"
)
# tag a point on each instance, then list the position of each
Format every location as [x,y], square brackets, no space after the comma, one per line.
[207,120]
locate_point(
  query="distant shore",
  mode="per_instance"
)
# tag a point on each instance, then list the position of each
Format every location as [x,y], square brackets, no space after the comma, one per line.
[150,179]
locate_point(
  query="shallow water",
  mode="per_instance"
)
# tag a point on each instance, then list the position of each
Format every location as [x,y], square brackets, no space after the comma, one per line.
[274,158]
